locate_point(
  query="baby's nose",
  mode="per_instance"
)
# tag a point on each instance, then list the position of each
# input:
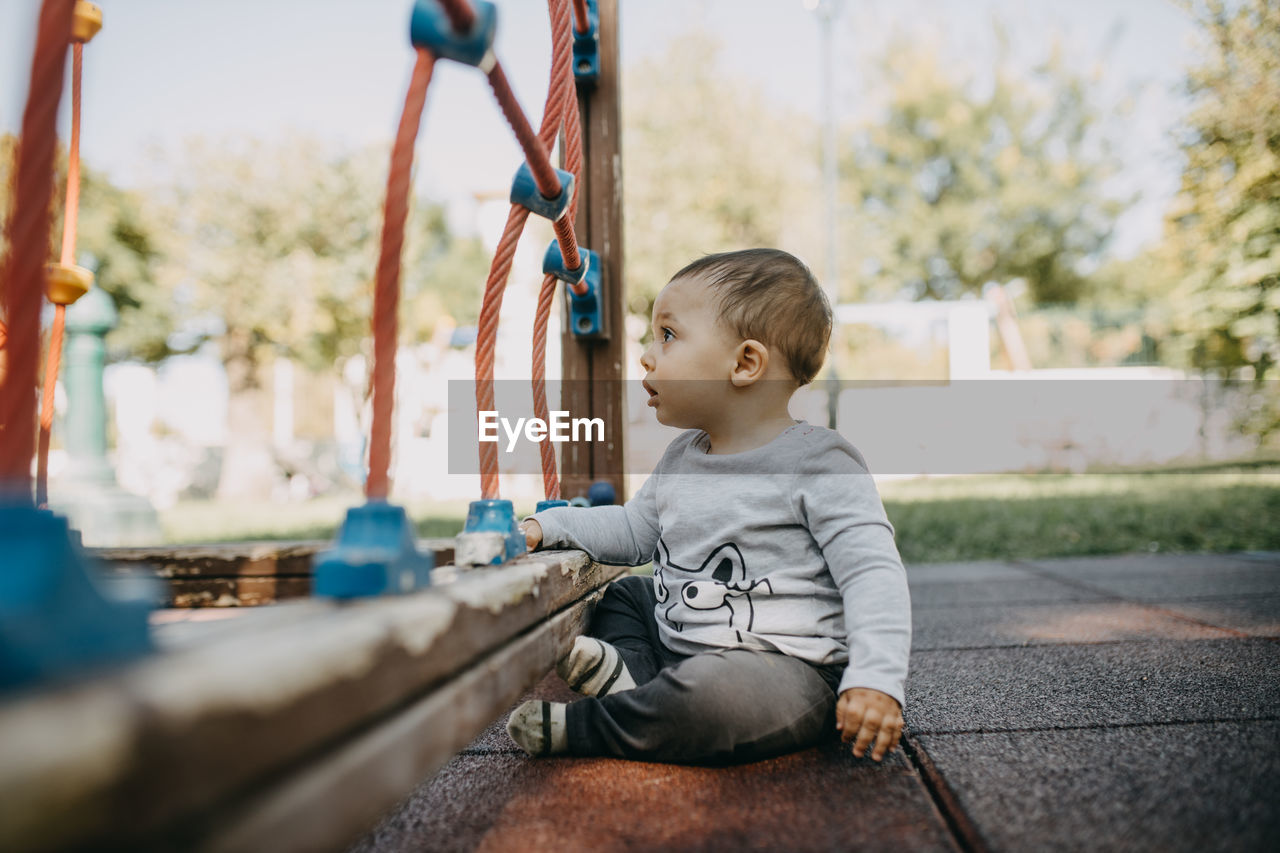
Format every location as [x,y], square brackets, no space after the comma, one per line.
[646,360]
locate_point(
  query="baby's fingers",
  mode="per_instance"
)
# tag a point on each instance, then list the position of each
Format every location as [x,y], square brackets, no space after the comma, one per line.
[849,719]
[887,739]
[867,733]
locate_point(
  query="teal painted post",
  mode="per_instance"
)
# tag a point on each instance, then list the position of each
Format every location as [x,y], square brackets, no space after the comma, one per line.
[88,322]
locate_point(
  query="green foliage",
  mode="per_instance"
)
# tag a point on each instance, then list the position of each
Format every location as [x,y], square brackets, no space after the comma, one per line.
[274,250]
[1222,243]
[118,234]
[709,167]
[952,187]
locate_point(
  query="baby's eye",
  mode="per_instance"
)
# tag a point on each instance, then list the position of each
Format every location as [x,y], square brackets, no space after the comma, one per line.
[667,334]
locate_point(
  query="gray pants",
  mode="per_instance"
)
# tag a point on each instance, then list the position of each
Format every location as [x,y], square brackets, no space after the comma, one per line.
[718,707]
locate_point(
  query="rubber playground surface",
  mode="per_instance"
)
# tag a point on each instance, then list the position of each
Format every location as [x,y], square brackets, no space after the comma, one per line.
[1126,702]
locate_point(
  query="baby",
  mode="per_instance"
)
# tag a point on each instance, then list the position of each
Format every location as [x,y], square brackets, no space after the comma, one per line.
[778,600]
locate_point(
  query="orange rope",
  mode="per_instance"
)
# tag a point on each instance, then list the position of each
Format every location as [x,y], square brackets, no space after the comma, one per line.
[27,230]
[499,271]
[46,406]
[71,214]
[580,16]
[573,161]
[460,15]
[386,298]
[70,219]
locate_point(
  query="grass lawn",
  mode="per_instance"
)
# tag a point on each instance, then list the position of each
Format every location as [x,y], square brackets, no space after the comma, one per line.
[1214,507]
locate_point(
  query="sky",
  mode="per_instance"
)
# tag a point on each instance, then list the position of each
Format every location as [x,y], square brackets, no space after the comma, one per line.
[164,70]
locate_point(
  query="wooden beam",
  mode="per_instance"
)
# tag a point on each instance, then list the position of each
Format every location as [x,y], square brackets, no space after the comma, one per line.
[593,371]
[233,559]
[331,802]
[242,574]
[125,756]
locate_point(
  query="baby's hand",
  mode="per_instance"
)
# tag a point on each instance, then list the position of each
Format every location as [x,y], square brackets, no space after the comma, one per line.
[532,533]
[869,715]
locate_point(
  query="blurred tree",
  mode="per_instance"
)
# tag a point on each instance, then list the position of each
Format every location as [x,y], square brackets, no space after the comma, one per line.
[954,184]
[1222,235]
[117,233]
[709,166]
[274,247]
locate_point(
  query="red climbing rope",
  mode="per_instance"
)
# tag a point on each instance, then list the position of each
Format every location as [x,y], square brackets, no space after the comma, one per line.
[535,152]
[460,15]
[70,220]
[386,298]
[546,295]
[71,215]
[27,231]
[558,93]
[581,23]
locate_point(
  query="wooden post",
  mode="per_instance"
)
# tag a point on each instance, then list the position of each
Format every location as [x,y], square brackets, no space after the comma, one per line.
[593,369]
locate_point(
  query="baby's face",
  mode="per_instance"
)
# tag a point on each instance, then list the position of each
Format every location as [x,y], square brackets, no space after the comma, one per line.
[689,362]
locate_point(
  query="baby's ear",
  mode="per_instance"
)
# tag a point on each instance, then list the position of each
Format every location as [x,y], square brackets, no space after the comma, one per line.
[751,360]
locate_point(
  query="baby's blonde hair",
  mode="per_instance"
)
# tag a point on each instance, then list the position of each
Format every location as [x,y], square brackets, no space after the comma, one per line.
[771,296]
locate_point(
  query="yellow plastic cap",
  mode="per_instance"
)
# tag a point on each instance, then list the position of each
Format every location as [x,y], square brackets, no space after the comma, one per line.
[87,21]
[67,283]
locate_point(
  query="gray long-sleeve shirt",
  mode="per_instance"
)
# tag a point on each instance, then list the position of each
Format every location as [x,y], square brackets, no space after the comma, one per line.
[784,548]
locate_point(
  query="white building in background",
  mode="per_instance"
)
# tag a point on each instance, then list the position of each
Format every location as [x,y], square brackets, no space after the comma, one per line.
[170,424]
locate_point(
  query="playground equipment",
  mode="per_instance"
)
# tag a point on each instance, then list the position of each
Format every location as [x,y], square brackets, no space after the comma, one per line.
[54,620]
[375,557]
[296,728]
[375,552]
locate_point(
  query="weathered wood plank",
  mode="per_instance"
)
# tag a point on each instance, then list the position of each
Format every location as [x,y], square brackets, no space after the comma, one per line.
[226,592]
[329,803]
[124,755]
[233,559]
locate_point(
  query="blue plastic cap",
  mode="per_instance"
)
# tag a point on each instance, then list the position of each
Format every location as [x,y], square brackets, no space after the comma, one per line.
[431,28]
[496,516]
[525,192]
[586,312]
[550,505]
[375,555]
[601,493]
[54,620]
[586,47]
[553,263]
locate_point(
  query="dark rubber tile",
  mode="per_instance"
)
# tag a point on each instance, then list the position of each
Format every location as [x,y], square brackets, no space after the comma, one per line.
[976,570]
[1237,580]
[1257,616]
[1039,624]
[817,800]
[1108,684]
[966,593]
[1172,577]
[1202,787]
[1160,565]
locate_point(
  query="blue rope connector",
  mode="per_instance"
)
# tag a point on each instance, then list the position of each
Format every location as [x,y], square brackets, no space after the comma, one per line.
[586,312]
[375,555]
[525,192]
[54,619]
[586,48]
[601,493]
[553,263]
[550,505]
[430,27]
[490,536]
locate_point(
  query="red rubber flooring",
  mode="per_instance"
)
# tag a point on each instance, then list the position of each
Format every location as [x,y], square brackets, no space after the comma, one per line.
[1114,703]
